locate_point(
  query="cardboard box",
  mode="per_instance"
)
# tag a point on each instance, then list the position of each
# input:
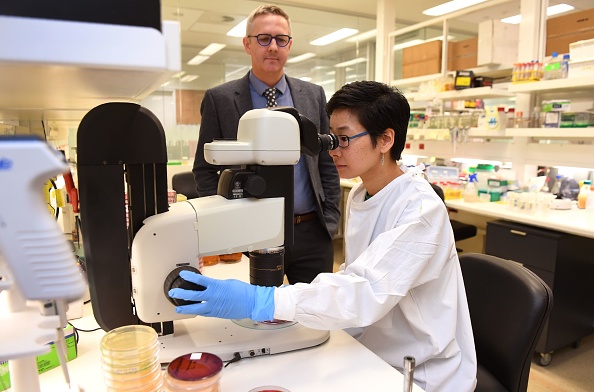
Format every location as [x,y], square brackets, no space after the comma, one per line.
[463,54]
[461,63]
[422,52]
[570,23]
[560,44]
[46,361]
[567,29]
[467,47]
[421,68]
[497,43]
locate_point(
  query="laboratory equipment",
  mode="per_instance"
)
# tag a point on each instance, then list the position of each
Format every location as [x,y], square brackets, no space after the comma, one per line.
[583,194]
[408,371]
[253,210]
[130,359]
[197,372]
[38,271]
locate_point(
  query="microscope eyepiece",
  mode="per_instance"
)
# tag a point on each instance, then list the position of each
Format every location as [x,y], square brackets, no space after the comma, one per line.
[328,142]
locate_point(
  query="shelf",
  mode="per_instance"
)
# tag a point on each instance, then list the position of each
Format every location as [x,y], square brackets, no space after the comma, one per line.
[63,65]
[552,133]
[420,100]
[495,72]
[477,92]
[568,84]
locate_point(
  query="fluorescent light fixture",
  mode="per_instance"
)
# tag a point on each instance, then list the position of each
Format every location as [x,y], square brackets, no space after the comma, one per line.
[179,74]
[238,30]
[552,10]
[358,60]
[558,9]
[199,59]
[407,44]
[450,6]
[189,78]
[211,49]
[303,57]
[516,19]
[363,36]
[333,37]
[305,78]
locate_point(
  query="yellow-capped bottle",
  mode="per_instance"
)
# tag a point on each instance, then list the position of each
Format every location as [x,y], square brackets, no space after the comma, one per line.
[583,195]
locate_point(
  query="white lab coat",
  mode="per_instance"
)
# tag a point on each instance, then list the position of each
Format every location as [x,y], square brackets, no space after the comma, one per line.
[400,291]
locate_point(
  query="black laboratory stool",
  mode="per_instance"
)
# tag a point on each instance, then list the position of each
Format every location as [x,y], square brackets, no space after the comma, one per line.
[185,184]
[509,307]
[461,230]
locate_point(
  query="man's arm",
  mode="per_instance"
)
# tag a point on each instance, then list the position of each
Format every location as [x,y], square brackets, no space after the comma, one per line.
[205,174]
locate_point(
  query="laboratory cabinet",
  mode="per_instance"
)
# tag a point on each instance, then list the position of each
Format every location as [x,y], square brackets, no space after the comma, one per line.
[566,263]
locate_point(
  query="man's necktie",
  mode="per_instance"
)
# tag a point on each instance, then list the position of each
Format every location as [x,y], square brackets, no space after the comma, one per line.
[270,94]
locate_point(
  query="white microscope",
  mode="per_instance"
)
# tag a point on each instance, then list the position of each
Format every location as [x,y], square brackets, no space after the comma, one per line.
[133,259]
[38,272]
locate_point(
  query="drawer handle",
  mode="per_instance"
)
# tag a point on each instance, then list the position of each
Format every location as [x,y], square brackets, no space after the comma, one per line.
[517,232]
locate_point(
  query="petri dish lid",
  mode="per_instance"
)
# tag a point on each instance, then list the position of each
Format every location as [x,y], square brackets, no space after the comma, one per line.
[129,339]
[195,366]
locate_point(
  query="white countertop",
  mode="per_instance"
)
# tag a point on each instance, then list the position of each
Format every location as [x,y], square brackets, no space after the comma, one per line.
[575,221]
[339,364]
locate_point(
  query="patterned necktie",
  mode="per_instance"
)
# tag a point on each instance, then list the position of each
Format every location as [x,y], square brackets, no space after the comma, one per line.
[270,94]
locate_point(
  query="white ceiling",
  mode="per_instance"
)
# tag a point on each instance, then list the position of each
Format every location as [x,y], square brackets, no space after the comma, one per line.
[207,21]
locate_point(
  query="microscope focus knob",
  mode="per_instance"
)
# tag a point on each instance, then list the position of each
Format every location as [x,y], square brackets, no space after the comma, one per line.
[255,185]
[174,281]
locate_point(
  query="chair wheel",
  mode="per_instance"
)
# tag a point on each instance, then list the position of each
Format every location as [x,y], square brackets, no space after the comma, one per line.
[544,359]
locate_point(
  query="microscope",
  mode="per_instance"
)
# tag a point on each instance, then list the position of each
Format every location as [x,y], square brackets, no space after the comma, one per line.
[136,245]
[38,272]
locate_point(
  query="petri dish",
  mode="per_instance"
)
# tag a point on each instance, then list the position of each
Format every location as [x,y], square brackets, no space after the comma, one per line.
[199,371]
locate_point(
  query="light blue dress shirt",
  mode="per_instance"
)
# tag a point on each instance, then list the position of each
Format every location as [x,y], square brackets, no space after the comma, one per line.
[303,192]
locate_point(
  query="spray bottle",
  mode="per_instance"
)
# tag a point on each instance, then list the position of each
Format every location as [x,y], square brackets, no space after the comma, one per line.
[470,193]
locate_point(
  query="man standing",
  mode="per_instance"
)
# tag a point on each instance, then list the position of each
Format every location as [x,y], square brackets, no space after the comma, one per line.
[317,186]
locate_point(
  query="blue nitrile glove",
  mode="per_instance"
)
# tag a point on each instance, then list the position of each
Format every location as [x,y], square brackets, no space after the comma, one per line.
[230,299]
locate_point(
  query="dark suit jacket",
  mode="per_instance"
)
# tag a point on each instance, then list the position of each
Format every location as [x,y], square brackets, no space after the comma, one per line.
[221,109]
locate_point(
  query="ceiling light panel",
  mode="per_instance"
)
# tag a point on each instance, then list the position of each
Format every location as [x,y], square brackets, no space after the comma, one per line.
[211,49]
[552,10]
[333,37]
[199,59]
[303,57]
[450,6]
[238,30]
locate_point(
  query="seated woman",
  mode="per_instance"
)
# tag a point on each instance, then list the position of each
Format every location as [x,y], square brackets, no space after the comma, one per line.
[400,290]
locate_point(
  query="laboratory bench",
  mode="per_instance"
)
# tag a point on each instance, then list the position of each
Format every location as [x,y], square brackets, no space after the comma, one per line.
[557,245]
[339,364]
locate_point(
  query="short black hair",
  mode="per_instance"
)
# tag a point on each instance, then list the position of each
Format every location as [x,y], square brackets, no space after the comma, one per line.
[378,107]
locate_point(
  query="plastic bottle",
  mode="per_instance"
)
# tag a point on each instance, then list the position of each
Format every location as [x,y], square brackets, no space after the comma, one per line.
[470,193]
[583,195]
[557,185]
[553,67]
[535,117]
[565,65]
[590,200]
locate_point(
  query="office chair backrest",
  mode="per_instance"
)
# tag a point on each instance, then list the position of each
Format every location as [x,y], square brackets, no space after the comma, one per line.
[185,184]
[461,230]
[509,306]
